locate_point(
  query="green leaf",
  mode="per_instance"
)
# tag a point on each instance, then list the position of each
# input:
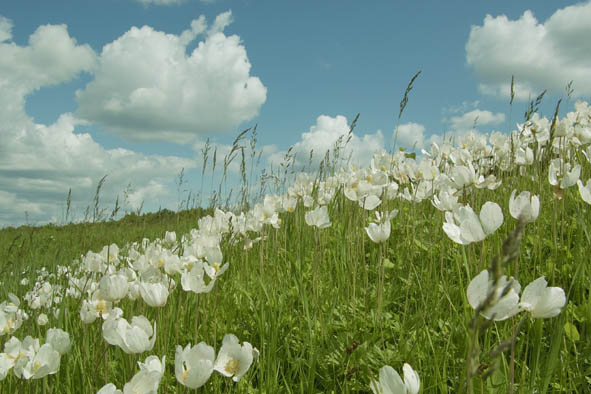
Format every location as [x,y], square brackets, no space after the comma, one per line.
[388,263]
[571,332]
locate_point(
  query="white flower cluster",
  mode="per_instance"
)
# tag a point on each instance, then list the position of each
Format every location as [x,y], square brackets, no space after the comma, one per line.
[30,360]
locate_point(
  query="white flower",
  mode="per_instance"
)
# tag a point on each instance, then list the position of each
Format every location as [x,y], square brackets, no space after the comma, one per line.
[391,383]
[233,359]
[154,294]
[113,287]
[525,204]
[193,279]
[109,388]
[6,364]
[318,217]
[148,378]
[193,365]
[560,173]
[59,339]
[464,227]
[585,190]
[369,202]
[45,362]
[42,319]
[379,232]
[501,306]
[542,301]
[136,337]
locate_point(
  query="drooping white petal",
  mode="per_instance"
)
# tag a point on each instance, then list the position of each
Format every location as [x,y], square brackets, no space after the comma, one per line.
[500,307]
[194,365]
[585,191]
[389,383]
[542,301]
[109,388]
[370,202]
[411,379]
[491,217]
[524,205]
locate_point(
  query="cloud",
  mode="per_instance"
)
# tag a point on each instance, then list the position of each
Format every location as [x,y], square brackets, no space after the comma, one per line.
[40,163]
[475,118]
[146,87]
[462,108]
[411,135]
[466,124]
[52,57]
[323,137]
[5,29]
[540,55]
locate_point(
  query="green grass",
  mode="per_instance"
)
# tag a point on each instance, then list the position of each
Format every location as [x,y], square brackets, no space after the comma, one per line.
[307,300]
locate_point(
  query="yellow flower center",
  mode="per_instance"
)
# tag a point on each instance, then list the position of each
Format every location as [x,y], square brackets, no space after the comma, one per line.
[233,366]
[36,366]
[101,306]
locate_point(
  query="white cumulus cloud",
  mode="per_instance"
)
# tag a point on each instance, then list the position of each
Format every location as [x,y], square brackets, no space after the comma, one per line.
[5,29]
[40,163]
[541,56]
[475,118]
[411,135]
[52,57]
[324,136]
[147,87]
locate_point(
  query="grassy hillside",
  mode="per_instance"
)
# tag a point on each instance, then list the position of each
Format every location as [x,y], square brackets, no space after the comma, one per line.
[324,305]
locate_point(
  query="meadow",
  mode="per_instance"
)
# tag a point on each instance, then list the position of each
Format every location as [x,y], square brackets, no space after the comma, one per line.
[410,275]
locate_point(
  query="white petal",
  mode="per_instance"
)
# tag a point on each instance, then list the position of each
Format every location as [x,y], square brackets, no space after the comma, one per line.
[411,379]
[542,301]
[491,217]
[477,289]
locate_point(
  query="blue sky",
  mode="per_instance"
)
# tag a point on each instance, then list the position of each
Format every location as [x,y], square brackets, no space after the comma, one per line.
[132,89]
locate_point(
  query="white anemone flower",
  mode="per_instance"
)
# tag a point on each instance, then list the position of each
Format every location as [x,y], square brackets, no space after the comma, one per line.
[19,353]
[193,279]
[563,174]
[500,306]
[45,362]
[234,360]
[380,230]
[113,287]
[193,365]
[542,301]
[154,294]
[585,190]
[5,365]
[147,380]
[464,227]
[109,388]
[370,202]
[318,217]
[137,337]
[42,319]
[391,383]
[524,205]
[59,340]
